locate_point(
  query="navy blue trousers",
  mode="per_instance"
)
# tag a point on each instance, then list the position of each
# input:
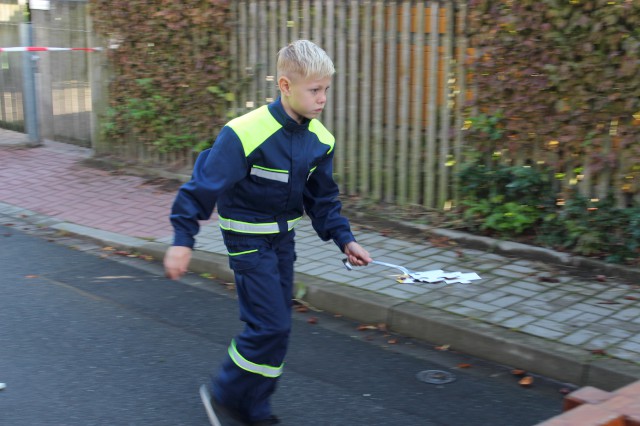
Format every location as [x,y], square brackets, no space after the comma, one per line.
[263,269]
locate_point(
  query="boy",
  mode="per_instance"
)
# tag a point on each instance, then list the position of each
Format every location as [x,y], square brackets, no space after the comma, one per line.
[263,170]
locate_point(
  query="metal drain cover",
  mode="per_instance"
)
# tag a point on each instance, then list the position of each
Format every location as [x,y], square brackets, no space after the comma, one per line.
[435,377]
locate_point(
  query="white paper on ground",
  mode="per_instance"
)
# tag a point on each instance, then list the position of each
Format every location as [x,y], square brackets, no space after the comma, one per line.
[438,276]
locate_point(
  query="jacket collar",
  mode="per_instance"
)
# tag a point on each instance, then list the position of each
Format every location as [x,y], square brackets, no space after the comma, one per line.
[278,112]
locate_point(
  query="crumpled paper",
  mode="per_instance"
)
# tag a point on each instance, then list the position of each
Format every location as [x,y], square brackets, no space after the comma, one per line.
[438,276]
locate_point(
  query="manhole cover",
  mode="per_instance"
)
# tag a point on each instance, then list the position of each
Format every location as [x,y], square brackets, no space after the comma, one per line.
[435,377]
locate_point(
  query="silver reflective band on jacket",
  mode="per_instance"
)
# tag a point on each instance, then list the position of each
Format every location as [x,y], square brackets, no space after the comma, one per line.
[254,228]
[277,175]
[251,367]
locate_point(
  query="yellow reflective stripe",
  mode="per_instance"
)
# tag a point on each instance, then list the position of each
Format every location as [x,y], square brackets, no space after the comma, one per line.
[245,364]
[242,252]
[254,128]
[323,134]
[254,228]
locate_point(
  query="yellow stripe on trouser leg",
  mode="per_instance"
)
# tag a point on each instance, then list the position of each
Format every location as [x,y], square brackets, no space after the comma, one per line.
[245,364]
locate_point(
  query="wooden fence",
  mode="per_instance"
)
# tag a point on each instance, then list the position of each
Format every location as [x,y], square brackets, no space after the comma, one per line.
[395,105]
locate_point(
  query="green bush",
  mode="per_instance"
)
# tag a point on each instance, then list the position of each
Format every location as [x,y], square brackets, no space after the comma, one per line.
[594,228]
[170,79]
[506,200]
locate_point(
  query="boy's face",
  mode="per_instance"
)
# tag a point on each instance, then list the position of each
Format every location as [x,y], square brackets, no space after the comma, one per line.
[304,97]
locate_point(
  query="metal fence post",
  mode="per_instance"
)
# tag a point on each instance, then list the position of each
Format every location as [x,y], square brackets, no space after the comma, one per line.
[29,87]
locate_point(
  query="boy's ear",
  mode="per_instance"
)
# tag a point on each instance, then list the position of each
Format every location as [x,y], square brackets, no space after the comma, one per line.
[284,84]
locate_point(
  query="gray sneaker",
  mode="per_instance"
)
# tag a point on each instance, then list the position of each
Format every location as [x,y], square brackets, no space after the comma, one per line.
[206,401]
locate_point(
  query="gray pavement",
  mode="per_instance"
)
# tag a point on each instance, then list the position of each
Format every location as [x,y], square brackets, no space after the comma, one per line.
[529,310]
[91,337]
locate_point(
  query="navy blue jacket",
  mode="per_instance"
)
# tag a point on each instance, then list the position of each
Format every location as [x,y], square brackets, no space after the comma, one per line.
[263,171]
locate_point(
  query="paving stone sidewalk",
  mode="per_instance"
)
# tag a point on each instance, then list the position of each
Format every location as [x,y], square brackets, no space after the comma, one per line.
[523,313]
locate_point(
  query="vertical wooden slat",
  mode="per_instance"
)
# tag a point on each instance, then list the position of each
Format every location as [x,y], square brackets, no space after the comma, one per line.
[461,98]
[352,98]
[272,51]
[305,32]
[253,54]
[261,69]
[605,174]
[587,176]
[365,100]
[234,52]
[328,46]
[283,22]
[341,91]
[430,178]
[390,104]
[403,101]
[445,109]
[378,101]
[243,51]
[416,159]
[294,21]
[317,23]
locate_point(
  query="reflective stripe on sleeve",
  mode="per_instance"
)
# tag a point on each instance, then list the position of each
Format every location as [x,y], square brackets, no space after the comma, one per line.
[254,228]
[242,252]
[245,364]
[272,174]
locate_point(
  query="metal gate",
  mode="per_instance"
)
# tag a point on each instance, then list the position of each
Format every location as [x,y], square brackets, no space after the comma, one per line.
[63,97]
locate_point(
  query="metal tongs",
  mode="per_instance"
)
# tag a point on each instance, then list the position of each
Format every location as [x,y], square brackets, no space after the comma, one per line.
[432,277]
[404,270]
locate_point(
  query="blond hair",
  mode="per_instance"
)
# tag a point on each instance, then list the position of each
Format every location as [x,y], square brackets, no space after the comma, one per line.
[305,59]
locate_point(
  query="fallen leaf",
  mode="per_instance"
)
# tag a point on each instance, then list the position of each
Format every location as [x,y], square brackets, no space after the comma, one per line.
[598,351]
[392,341]
[442,348]
[312,320]
[382,327]
[108,248]
[363,327]
[526,381]
[548,280]
[146,257]
[31,276]
[630,298]
[518,372]
[601,278]
[121,253]
[301,308]
[464,365]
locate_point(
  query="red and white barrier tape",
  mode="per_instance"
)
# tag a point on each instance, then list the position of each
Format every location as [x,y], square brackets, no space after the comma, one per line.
[48,49]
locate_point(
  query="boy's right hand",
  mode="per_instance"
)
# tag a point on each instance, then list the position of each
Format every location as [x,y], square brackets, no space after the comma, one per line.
[176,261]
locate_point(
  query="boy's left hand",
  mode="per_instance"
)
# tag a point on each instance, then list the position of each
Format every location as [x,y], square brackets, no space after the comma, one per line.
[356,255]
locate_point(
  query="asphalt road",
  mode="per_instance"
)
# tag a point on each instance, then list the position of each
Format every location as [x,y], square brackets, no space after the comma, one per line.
[90,337]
